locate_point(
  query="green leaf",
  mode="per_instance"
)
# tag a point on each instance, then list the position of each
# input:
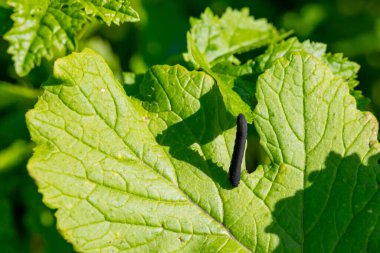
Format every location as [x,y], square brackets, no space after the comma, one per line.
[111,11]
[237,86]
[212,43]
[324,153]
[361,100]
[213,39]
[338,64]
[150,172]
[44,28]
[40,27]
[104,48]
[343,67]
[112,178]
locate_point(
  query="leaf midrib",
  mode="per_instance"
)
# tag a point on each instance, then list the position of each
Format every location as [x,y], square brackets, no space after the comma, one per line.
[148,166]
[201,147]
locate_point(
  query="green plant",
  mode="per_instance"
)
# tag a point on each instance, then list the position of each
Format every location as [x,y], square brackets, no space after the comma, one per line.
[143,165]
[42,26]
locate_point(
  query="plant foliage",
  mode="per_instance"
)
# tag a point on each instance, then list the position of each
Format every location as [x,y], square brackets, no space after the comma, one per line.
[42,27]
[146,168]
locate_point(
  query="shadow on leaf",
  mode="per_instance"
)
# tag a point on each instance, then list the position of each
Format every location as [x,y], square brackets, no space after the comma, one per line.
[201,128]
[339,212]
[186,138]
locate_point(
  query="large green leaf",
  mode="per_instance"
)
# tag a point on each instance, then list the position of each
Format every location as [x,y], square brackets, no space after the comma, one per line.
[149,173]
[100,163]
[326,151]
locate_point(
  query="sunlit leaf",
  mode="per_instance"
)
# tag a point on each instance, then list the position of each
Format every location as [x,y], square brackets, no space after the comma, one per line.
[150,172]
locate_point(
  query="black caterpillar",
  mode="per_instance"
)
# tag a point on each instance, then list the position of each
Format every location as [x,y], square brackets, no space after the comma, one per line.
[237,155]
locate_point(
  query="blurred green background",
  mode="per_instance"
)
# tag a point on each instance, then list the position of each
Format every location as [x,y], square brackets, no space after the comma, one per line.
[26,225]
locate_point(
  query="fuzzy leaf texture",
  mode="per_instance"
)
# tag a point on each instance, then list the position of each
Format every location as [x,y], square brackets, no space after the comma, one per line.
[44,27]
[149,173]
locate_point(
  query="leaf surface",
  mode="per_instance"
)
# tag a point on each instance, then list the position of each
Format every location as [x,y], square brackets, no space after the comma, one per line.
[237,86]
[212,43]
[150,172]
[99,155]
[111,11]
[44,28]
[338,64]
[328,150]
[212,39]
[40,26]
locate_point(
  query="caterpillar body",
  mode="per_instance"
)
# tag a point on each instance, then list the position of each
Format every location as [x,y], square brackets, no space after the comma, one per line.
[238,153]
